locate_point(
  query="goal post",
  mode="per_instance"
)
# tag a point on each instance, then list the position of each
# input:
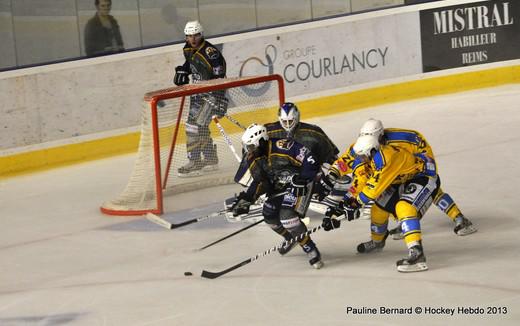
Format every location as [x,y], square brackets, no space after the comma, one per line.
[170,130]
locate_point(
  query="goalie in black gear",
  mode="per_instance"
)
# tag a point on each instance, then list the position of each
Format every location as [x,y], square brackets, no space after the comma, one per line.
[203,62]
[284,170]
[316,140]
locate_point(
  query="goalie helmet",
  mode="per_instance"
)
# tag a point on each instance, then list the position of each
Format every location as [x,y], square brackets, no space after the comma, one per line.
[289,116]
[372,127]
[253,136]
[365,145]
[192,28]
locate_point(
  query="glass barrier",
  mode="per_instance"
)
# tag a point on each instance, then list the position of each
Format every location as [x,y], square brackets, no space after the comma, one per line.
[34,32]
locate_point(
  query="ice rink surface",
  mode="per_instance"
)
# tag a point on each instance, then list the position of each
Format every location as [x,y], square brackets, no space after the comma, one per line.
[63,263]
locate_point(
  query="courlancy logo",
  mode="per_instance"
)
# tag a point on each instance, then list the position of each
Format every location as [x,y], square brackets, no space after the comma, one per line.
[305,62]
[255,64]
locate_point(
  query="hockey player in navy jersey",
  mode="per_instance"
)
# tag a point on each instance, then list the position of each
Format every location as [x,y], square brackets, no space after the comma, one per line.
[316,140]
[284,170]
[311,136]
[203,62]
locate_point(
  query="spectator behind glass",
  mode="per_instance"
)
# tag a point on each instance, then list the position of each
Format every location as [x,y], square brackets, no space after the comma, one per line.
[102,34]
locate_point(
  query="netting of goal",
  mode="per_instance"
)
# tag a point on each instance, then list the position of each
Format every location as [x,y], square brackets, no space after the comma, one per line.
[164,139]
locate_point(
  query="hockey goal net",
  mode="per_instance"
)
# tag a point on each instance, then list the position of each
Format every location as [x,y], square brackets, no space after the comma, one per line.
[167,135]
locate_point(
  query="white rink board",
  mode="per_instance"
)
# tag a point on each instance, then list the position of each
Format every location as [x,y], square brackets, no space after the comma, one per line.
[333,56]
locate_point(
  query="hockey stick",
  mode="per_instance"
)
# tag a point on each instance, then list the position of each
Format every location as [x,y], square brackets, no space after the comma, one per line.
[235,122]
[165,224]
[230,235]
[226,138]
[305,221]
[213,275]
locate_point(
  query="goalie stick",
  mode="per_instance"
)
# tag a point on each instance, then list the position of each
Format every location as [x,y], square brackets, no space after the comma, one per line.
[226,138]
[213,275]
[234,121]
[165,224]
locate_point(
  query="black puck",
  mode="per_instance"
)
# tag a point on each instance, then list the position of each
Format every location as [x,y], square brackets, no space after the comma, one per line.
[188,273]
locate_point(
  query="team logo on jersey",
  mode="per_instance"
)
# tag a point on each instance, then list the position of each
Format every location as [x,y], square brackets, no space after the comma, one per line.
[212,53]
[284,144]
[301,155]
[342,166]
[289,200]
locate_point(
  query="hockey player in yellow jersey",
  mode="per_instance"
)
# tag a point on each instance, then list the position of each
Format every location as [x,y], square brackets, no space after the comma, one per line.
[401,184]
[415,143]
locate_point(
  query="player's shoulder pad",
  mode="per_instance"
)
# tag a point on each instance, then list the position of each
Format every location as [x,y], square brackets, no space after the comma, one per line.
[210,51]
[311,127]
[273,126]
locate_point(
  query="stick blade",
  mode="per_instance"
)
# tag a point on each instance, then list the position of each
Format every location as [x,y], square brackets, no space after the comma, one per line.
[159,221]
[210,275]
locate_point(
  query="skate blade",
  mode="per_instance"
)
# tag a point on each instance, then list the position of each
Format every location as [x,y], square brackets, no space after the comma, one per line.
[189,174]
[318,265]
[467,230]
[419,267]
[210,168]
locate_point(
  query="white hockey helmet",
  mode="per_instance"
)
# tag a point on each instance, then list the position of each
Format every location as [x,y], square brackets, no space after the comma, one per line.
[372,127]
[193,27]
[253,135]
[289,116]
[365,145]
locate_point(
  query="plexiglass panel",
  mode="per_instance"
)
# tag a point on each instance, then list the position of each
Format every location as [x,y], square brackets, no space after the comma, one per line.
[274,12]
[358,5]
[41,31]
[99,37]
[325,8]
[46,30]
[7,52]
[162,21]
[227,16]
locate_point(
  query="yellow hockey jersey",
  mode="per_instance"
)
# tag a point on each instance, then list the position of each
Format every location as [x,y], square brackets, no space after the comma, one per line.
[411,140]
[390,165]
[347,164]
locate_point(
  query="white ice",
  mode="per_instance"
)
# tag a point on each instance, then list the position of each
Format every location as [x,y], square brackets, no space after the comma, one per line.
[64,263]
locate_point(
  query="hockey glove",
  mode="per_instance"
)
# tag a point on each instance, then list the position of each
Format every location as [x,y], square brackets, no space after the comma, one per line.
[351,206]
[241,204]
[330,223]
[323,186]
[298,186]
[181,76]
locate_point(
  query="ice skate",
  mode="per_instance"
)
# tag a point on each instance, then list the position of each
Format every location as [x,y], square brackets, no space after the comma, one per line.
[313,254]
[285,249]
[315,258]
[190,169]
[415,262]
[463,226]
[370,246]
